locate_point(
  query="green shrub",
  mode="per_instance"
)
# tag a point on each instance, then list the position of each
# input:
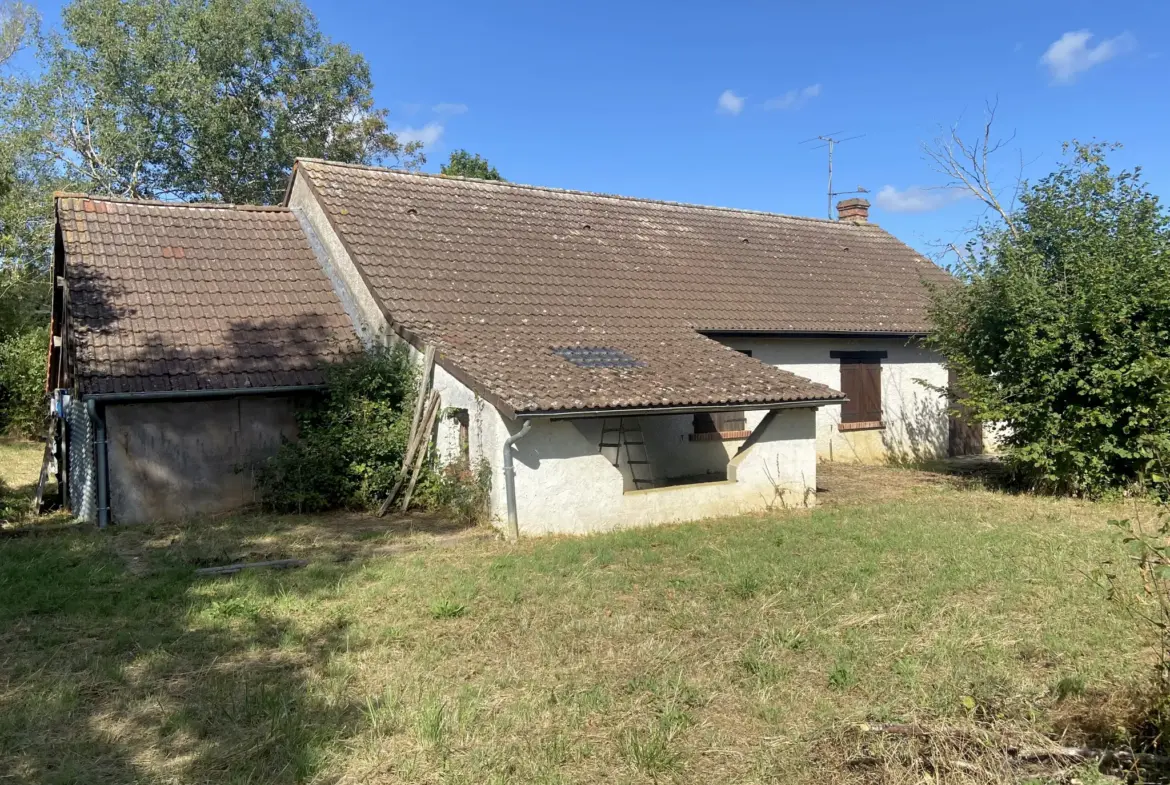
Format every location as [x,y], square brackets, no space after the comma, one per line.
[1061,329]
[23,407]
[352,438]
[460,492]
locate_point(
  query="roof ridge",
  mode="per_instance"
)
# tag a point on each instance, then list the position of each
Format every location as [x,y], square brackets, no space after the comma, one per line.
[276,208]
[597,194]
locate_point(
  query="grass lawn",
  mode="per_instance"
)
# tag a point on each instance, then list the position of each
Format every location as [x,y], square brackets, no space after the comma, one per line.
[731,651]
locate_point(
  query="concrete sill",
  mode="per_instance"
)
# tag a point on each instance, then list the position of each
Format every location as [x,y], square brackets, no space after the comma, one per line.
[721,436]
[861,426]
[668,488]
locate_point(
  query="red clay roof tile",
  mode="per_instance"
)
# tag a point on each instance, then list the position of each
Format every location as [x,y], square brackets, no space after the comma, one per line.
[155,309]
[498,275]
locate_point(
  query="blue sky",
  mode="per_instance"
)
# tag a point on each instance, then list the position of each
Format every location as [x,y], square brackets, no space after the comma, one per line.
[707,103]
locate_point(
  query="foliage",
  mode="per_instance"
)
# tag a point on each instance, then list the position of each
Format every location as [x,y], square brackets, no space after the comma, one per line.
[1061,329]
[22,383]
[352,438]
[24,199]
[206,99]
[464,164]
[1146,535]
[461,491]
[16,20]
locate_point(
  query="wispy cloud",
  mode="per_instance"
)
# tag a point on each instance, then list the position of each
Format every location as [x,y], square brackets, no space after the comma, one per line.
[729,103]
[794,99]
[429,134]
[449,109]
[1071,54]
[917,198]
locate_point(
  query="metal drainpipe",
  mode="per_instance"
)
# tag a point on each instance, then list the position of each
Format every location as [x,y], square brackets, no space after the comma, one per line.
[510,480]
[99,448]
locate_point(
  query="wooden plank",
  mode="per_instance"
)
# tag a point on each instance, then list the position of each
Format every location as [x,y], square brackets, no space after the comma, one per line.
[424,448]
[232,569]
[416,441]
[421,399]
[424,386]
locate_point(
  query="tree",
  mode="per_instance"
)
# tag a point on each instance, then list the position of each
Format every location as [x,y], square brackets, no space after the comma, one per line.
[16,20]
[199,99]
[1060,330]
[464,164]
[23,219]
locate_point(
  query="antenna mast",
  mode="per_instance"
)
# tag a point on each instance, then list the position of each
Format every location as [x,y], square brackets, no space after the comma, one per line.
[831,141]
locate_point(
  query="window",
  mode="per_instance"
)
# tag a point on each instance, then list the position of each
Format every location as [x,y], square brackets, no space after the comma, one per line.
[861,381]
[719,425]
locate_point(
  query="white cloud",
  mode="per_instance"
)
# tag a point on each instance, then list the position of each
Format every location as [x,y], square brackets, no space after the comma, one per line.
[429,134]
[917,198]
[1071,54]
[729,103]
[449,109]
[794,99]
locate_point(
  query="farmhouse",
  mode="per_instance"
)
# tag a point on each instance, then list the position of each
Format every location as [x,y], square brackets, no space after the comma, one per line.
[617,361]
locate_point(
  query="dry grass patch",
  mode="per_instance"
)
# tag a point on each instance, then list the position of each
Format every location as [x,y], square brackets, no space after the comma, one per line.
[739,650]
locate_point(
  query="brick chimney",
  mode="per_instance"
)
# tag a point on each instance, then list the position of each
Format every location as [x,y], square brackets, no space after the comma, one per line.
[855,210]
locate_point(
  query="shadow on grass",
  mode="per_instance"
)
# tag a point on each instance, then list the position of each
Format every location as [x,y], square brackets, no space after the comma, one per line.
[108,676]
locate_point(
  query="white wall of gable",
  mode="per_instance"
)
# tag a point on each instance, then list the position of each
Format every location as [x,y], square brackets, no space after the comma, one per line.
[915,416]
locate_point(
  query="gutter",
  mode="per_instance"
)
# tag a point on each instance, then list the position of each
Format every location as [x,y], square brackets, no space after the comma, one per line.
[510,480]
[652,410]
[98,418]
[183,395]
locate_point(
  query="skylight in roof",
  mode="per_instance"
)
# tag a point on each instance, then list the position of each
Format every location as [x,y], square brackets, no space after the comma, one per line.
[597,357]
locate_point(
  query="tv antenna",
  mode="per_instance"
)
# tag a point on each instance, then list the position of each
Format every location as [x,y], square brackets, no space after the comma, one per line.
[831,141]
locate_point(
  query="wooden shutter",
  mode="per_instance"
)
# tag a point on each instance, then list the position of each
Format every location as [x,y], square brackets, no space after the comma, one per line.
[871,388]
[714,423]
[851,386]
[730,421]
[862,381]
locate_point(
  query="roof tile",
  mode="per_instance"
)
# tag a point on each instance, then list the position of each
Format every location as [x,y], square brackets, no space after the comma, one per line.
[498,275]
[172,297]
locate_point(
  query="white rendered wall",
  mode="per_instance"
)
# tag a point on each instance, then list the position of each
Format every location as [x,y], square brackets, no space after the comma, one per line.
[917,424]
[563,482]
[485,428]
[564,485]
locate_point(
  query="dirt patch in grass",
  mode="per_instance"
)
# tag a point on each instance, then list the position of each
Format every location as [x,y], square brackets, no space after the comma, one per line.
[841,483]
[334,538]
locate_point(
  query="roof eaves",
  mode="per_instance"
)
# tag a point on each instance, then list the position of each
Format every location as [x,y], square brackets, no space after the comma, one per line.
[637,411]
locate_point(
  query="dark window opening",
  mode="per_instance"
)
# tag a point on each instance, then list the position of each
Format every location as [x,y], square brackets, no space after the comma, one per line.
[460,416]
[861,381]
[720,425]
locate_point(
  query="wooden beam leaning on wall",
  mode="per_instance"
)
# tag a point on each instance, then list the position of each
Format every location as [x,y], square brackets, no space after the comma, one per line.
[424,442]
[420,403]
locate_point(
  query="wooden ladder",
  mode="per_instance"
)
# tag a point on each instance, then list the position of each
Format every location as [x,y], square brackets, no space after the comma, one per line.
[634,440]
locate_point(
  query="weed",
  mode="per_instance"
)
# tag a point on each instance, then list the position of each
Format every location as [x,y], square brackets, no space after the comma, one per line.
[841,676]
[447,609]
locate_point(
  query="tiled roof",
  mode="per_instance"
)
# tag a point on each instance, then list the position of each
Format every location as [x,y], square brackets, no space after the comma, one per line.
[499,275]
[171,296]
